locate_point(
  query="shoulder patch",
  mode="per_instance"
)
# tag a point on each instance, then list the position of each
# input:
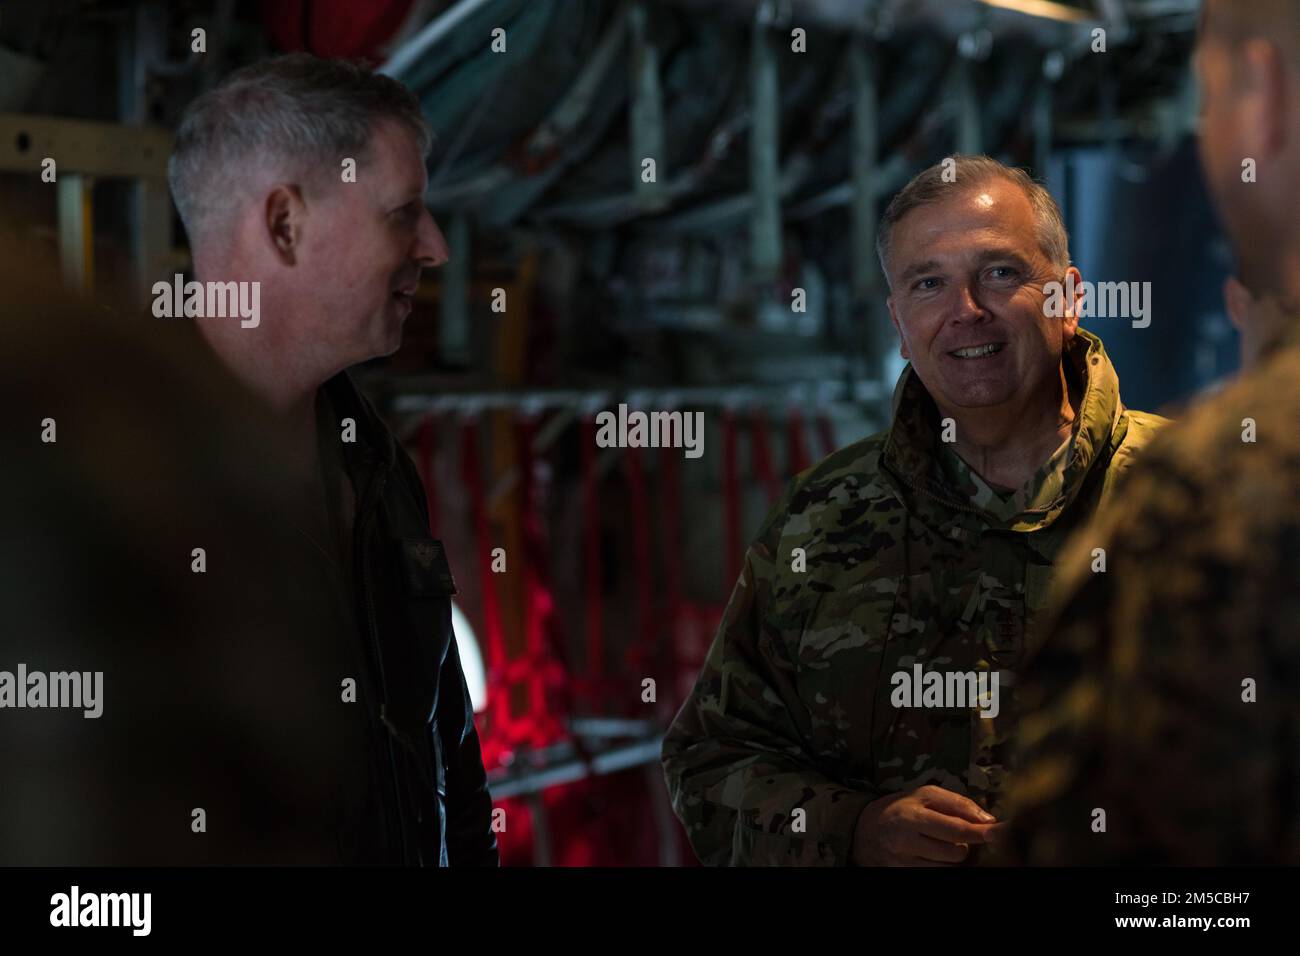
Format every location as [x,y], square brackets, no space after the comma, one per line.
[425,568]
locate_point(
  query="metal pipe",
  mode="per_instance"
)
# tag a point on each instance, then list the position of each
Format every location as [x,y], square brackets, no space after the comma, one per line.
[765,156]
[409,53]
[646,113]
[1042,111]
[76,236]
[612,761]
[453,331]
[969,135]
[865,172]
[473,403]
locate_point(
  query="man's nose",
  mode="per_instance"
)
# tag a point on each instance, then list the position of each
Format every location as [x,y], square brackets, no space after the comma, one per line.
[430,244]
[968,307]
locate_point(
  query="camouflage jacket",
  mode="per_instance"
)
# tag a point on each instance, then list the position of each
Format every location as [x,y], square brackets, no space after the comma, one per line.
[908,558]
[1165,698]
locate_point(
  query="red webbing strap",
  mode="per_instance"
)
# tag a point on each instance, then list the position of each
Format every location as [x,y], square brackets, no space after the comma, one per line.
[796,448]
[826,431]
[540,669]
[593,581]
[762,451]
[670,479]
[640,658]
[500,731]
[731,542]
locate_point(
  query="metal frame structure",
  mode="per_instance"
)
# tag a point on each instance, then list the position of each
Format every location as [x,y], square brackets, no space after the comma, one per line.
[84,152]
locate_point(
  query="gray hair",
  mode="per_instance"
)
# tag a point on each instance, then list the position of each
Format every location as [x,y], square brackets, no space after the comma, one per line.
[299,113]
[968,172]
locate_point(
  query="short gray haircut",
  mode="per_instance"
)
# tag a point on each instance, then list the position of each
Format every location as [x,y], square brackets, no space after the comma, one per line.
[969,172]
[300,113]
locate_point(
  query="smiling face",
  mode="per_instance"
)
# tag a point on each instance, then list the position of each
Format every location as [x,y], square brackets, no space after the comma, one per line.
[967,275]
[366,248]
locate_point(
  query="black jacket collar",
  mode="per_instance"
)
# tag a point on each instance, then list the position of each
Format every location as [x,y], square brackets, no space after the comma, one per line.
[375,444]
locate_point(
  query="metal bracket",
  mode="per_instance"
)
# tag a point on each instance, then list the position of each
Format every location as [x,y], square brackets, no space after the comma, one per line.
[102,150]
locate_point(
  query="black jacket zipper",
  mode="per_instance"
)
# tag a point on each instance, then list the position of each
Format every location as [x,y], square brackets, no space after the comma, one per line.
[371,626]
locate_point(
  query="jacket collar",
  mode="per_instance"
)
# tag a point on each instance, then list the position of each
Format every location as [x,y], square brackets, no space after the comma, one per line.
[375,444]
[912,450]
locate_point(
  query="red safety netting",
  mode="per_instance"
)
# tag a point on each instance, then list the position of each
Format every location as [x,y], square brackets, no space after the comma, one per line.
[543,666]
[537,671]
[673,556]
[603,820]
[592,685]
[641,657]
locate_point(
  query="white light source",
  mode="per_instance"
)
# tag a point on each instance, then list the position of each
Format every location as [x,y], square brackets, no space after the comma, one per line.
[1044,9]
[471,660]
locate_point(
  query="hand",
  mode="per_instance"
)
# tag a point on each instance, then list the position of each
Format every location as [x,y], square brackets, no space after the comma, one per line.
[928,826]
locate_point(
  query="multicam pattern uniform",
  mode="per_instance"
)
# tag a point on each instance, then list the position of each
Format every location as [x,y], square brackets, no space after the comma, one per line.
[792,708]
[1134,705]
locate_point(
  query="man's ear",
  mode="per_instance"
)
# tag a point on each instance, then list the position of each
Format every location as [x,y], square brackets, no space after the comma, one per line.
[1263,67]
[1073,281]
[893,317]
[286,214]
[1259,85]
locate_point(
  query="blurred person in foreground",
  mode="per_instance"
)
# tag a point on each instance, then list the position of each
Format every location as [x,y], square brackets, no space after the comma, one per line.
[169,661]
[1164,725]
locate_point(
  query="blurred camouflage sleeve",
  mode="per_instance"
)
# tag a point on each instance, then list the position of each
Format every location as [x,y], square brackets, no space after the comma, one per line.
[736,759]
[1162,696]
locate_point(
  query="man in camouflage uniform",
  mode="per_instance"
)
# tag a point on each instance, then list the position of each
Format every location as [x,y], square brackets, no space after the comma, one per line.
[1164,727]
[926,548]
